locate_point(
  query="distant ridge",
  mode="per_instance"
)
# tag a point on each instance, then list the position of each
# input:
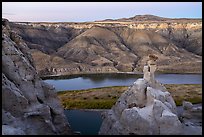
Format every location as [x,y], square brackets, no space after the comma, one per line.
[146,17]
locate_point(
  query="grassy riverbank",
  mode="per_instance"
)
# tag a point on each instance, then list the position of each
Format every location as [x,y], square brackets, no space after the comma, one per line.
[187,92]
[105,98]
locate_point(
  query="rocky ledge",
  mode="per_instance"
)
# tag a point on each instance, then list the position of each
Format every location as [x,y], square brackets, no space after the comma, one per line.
[147,108]
[29,106]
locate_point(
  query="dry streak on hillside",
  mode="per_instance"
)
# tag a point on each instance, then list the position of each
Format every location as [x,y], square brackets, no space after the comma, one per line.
[114,45]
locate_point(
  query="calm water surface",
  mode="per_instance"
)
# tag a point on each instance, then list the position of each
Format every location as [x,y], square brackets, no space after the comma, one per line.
[94,81]
[85,122]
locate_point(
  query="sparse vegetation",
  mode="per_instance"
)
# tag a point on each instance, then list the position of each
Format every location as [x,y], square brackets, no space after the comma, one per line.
[105,98]
[187,92]
[96,98]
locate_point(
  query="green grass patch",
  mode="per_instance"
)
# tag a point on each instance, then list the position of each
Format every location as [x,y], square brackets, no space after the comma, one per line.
[105,97]
[193,100]
[89,104]
[93,89]
[185,92]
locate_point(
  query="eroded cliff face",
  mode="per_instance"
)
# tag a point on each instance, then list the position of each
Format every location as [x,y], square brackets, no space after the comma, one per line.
[29,106]
[113,46]
[179,31]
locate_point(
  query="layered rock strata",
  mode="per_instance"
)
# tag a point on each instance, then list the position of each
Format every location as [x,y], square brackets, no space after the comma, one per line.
[114,46]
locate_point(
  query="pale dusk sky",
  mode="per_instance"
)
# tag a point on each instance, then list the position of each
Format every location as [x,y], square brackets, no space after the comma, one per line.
[92,11]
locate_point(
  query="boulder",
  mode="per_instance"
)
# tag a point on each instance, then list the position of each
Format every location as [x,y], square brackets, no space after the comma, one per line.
[187,105]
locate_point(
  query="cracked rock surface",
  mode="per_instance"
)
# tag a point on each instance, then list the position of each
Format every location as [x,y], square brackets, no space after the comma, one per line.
[147,108]
[29,106]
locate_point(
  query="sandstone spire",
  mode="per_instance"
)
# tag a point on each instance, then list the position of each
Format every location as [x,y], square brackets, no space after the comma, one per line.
[150,68]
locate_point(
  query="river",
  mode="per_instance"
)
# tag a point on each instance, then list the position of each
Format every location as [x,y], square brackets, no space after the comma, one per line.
[95,81]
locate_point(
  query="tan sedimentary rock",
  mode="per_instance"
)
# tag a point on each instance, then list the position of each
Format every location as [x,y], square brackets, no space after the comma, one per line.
[124,45]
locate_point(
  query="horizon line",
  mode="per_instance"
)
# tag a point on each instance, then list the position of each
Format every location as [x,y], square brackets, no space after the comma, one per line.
[193,18]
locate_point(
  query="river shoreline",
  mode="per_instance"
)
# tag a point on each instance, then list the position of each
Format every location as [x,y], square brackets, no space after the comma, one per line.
[44,77]
[98,110]
[59,76]
[179,109]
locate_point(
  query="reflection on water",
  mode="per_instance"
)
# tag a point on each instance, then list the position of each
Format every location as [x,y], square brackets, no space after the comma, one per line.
[86,122]
[97,78]
[105,80]
[94,75]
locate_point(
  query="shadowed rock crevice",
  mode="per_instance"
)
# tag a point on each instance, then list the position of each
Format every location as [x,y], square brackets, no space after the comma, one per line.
[40,100]
[52,115]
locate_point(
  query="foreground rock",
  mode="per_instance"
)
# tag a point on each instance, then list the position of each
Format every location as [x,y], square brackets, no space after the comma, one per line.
[191,117]
[146,108]
[29,106]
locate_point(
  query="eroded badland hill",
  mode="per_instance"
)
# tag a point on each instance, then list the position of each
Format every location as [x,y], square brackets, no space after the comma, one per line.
[114,45]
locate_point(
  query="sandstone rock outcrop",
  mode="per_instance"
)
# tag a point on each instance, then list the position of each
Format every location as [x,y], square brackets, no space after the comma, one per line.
[146,108]
[29,106]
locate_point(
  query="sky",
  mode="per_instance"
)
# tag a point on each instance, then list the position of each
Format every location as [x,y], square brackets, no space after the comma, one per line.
[92,11]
